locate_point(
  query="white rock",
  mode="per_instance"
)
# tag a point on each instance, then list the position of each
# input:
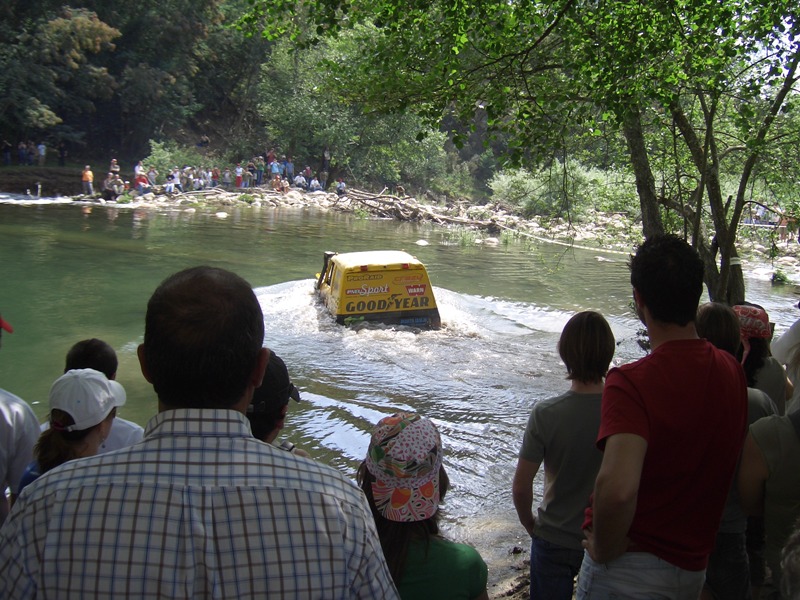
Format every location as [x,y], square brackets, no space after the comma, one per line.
[221,215]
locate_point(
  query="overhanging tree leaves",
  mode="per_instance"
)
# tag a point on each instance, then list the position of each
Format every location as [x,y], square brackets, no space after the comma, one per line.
[695,87]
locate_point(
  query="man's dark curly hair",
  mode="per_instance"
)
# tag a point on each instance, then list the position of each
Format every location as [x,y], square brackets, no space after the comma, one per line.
[668,275]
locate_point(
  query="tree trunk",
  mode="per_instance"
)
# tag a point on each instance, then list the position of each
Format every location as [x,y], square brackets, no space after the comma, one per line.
[645,183]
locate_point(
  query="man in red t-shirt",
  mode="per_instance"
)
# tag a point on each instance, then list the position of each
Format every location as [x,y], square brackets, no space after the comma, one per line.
[672,427]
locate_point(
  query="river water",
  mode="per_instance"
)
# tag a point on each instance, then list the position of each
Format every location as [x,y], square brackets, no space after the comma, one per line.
[71,271]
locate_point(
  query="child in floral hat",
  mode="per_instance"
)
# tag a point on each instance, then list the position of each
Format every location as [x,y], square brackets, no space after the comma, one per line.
[404,481]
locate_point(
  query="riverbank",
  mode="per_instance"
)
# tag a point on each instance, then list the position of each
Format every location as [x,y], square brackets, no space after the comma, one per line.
[611,233]
[598,231]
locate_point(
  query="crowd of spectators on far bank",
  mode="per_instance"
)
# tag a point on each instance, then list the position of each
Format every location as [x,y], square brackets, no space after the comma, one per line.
[261,171]
[29,153]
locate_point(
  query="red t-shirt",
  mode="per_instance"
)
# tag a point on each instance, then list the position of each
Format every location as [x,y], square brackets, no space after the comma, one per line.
[688,400]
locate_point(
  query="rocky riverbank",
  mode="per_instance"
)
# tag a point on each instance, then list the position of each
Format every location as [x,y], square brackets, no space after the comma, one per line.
[776,255]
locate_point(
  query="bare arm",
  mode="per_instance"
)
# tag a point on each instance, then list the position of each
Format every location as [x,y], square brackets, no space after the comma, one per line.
[615,494]
[753,473]
[522,492]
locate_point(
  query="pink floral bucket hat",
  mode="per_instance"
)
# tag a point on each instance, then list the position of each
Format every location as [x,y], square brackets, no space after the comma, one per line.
[404,457]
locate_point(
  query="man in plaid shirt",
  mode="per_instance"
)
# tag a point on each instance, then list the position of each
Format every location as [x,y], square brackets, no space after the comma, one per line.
[199,508]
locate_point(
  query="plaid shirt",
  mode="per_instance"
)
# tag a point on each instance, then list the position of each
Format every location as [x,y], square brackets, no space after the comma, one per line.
[198,509]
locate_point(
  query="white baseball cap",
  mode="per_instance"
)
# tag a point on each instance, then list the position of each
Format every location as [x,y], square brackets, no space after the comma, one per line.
[87,396]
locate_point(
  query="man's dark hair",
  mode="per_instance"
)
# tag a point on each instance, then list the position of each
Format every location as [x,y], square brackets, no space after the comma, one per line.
[203,332]
[93,354]
[668,275]
[586,346]
[717,323]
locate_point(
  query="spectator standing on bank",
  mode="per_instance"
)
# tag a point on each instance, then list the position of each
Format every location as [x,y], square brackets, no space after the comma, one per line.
[561,433]
[270,405]
[62,153]
[763,372]
[100,356]
[19,430]
[199,508]
[83,404]
[7,147]
[769,484]
[404,481]
[671,429]
[41,151]
[288,168]
[731,574]
[152,176]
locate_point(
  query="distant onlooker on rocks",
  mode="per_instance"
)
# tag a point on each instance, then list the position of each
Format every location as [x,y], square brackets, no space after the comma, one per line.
[41,150]
[108,194]
[288,168]
[314,186]
[86,180]
[341,187]
[141,183]
[152,176]
[62,153]
[7,147]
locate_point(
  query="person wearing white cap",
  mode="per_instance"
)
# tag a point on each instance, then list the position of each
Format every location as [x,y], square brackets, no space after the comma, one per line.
[19,430]
[83,403]
[97,354]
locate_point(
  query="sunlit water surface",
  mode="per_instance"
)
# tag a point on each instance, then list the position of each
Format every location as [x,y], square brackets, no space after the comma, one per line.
[70,273]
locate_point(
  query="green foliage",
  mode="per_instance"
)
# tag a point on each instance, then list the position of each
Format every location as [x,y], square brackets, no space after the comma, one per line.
[695,87]
[247,198]
[461,236]
[562,191]
[166,155]
[307,111]
[780,278]
[47,68]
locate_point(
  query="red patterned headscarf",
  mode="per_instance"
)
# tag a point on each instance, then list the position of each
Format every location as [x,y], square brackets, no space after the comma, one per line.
[753,323]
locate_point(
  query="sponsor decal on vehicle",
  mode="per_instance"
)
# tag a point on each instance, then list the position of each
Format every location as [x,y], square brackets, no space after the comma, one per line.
[406,279]
[416,290]
[365,277]
[368,290]
[386,305]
